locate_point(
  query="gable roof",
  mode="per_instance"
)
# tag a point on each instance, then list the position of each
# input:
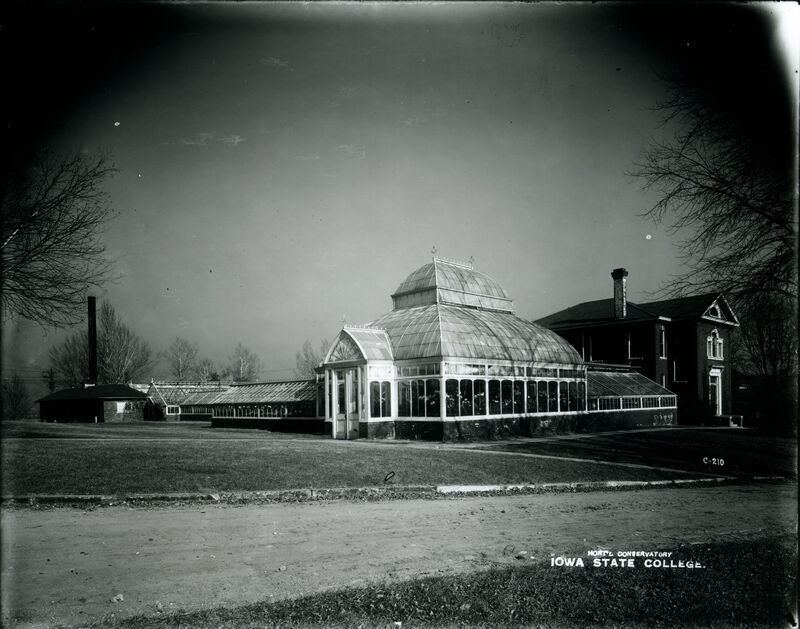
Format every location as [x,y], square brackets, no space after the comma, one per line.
[171,393]
[615,384]
[98,392]
[278,391]
[601,311]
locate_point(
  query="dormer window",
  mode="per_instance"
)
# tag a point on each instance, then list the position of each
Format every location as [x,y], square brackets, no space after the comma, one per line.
[714,345]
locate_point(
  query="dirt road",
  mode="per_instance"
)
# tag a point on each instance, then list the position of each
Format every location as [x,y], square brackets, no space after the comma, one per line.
[67,565]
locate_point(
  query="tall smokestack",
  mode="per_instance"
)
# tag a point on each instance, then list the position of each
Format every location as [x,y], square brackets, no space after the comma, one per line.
[92,342]
[620,293]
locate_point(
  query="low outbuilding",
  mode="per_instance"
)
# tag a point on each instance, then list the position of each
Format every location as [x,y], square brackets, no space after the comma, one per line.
[98,403]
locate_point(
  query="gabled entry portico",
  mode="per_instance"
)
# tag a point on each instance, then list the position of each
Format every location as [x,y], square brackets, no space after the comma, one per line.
[347,396]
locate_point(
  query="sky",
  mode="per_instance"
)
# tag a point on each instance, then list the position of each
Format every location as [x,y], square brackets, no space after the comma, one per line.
[283,167]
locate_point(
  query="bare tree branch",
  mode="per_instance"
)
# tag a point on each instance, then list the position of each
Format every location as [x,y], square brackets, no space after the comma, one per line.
[308,360]
[182,358]
[724,189]
[243,365]
[51,251]
[122,356]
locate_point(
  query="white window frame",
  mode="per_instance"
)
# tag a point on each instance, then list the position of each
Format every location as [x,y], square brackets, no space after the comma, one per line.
[663,342]
[715,347]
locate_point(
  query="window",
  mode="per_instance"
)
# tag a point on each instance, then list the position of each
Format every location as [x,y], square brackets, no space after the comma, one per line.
[380,395]
[173,410]
[412,400]
[581,396]
[631,402]
[465,390]
[714,345]
[479,389]
[451,397]
[507,400]
[494,397]
[664,380]
[573,396]
[609,403]
[404,399]
[662,342]
[432,398]
[340,394]
[519,396]
[563,397]
[531,397]
[552,396]
[542,397]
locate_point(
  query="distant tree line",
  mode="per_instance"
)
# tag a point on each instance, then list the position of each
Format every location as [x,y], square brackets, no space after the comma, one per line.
[123,356]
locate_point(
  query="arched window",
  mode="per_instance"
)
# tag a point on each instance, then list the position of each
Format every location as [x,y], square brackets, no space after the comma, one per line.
[714,345]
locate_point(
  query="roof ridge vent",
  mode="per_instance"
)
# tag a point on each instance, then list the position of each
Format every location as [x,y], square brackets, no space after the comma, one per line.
[465,265]
[371,328]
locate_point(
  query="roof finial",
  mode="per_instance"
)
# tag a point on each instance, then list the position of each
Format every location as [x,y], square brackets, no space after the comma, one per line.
[472,261]
[344,320]
[433,250]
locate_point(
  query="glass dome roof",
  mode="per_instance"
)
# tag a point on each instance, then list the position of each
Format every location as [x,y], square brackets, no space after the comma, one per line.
[450,282]
[449,331]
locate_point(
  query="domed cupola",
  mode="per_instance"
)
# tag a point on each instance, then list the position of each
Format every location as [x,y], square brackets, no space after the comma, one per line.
[451,283]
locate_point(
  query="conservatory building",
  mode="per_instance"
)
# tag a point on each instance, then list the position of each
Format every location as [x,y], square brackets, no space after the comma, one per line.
[451,360]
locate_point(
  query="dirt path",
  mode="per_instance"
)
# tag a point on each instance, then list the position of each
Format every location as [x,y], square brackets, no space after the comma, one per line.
[66,565]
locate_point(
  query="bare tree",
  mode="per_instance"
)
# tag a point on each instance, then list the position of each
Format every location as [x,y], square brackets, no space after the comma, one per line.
[724,184]
[767,337]
[308,359]
[52,218]
[206,371]
[122,356]
[15,398]
[70,360]
[182,358]
[243,365]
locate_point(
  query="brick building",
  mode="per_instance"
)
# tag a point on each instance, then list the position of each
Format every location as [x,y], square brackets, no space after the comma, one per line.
[682,344]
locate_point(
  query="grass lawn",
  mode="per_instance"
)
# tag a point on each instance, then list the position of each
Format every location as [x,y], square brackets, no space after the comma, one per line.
[743,584]
[110,467]
[188,458]
[742,451]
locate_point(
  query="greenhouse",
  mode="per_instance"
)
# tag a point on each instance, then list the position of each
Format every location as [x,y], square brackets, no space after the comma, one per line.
[450,360]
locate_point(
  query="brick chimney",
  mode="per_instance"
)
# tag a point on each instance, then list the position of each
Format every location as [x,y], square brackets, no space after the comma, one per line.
[620,293]
[92,316]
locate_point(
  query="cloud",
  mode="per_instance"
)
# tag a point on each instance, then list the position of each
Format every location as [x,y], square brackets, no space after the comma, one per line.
[233,140]
[359,152]
[199,139]
[307,158]
[205,138]
[273,62]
